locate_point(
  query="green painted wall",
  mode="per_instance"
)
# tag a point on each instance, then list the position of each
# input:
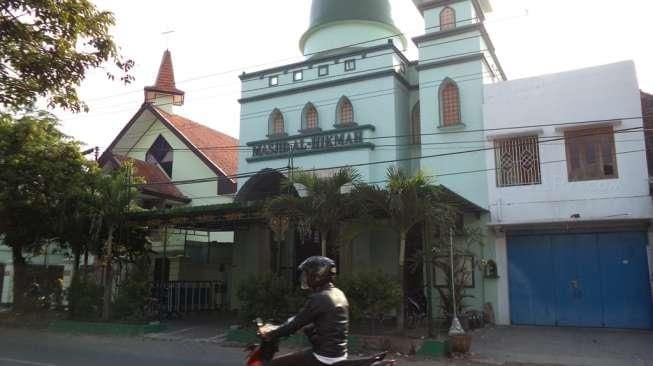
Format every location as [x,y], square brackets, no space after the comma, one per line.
[485,289]
[251,257]
[345,33]
[464,13]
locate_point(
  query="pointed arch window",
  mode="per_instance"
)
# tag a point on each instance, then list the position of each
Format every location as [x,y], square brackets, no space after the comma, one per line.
[345,112]
[449,104]
[276,124]
[447,19]
[310,118]
[161,154]
[416,125]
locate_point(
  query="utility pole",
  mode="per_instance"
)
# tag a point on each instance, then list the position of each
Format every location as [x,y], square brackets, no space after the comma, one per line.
[427,260]
[456,328]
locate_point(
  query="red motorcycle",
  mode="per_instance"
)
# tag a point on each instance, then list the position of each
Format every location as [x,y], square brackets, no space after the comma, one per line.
[261,354]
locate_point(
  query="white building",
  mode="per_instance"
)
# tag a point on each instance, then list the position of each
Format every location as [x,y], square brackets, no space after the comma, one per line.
[570,199]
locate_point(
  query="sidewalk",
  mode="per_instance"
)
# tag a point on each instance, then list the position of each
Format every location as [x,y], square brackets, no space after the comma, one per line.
[563,346]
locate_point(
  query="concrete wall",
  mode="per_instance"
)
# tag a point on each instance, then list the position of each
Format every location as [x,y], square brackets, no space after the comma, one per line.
[55,257]
[604,93]
[5,258]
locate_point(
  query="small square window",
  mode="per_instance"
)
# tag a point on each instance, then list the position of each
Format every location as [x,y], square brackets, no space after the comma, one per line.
[323,70]
[350,65]
[273,80]
[298,75]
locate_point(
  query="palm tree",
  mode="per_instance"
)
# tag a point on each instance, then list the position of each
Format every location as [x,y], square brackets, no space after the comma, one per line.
[323,205]
[406,202]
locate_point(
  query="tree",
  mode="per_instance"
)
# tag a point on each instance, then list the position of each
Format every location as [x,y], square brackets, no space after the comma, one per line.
[39,167]
[406,202]
[324,207]
[47,48]
[90,217]
[115,195]
[77,227]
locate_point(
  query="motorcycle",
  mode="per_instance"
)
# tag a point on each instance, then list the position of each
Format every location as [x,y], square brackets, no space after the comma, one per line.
[261,354]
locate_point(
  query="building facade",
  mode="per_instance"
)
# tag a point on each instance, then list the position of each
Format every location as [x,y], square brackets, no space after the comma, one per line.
[570,199]
[358,101]
[549,199]
[183,164]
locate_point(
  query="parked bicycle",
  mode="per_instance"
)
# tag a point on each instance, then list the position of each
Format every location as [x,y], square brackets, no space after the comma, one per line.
[415,309]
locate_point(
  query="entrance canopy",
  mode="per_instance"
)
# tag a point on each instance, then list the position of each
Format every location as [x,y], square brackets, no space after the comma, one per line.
[265,184]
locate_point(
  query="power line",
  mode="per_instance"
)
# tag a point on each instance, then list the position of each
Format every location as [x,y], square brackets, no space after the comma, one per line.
[239,147]
[353,97]
[333,100]
[101,112]
[474,20]
[392,52]
[494,169]
[249,174]
[439,145]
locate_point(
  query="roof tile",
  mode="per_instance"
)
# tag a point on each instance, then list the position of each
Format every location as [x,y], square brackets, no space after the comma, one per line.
[165,80]
[160,183]
[221,149]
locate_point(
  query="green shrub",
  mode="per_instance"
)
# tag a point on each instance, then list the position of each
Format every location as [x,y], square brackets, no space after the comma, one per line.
[85,298]
[268,297]
[371,295]
[133,294]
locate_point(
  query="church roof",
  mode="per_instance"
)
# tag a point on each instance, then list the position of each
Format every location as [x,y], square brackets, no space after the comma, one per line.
[217,150]
[158,183]
[220,148]
[165,79]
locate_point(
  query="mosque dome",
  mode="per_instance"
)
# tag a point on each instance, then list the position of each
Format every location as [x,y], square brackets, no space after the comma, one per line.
[337,24]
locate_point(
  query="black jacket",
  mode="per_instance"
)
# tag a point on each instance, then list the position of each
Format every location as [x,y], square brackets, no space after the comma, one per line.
[327,311]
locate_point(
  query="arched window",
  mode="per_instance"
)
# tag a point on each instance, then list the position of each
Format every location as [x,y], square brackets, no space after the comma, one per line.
[416,125]
[310,120]
[447,19]
[160,153]
[276,125]
[345,112]
[449,103]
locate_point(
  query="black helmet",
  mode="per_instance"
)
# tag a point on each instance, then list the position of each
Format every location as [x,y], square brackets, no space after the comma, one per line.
[317,272]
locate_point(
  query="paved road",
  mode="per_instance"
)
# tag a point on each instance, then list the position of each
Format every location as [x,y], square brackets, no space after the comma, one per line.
[36,348]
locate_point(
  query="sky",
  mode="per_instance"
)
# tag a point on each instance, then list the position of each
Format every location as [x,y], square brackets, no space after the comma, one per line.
[214,41]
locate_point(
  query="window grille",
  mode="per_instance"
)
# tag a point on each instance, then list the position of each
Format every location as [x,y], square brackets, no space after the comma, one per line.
[517,161]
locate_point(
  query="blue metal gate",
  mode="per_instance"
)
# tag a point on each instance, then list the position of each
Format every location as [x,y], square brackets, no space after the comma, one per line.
[586,280]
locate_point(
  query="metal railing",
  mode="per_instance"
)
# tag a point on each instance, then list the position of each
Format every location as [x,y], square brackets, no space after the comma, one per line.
[191,296]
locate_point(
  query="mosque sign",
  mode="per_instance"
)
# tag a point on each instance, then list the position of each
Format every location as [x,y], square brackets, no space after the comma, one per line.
[311,143]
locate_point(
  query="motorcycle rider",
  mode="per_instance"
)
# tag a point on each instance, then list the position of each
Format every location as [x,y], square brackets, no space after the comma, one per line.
[324,317]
